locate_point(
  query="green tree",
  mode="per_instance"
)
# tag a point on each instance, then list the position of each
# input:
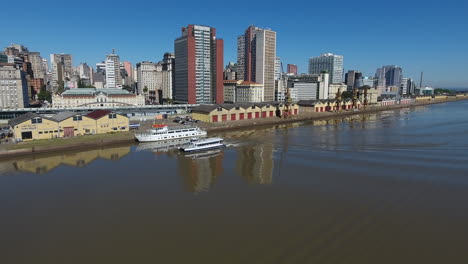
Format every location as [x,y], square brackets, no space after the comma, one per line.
[347,94]
[44,95]
[145,90]
[128,88]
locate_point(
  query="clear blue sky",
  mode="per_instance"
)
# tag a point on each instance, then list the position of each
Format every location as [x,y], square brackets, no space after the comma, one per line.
[429,36]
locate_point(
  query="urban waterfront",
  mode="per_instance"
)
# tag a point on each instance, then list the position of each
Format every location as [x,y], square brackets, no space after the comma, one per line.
[390,187]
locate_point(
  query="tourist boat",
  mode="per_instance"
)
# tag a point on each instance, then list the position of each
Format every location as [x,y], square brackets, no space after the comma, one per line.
[163,146]
[162,132]
[203,144]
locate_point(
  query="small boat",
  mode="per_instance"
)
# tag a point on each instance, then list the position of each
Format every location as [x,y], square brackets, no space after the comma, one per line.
[203,144]
[162,132]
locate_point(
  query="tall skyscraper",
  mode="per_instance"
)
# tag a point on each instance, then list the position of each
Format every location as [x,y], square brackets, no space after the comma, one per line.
[198,66]
[113,76]
[168,76]
[256,59]
[36,64]
[13,87]
[129,73]
[353,79]
[329,62]
[62,68]
[292,69]
[277,68]
[389,76]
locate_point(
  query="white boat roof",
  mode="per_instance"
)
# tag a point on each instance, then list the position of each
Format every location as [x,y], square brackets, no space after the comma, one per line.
[209,140]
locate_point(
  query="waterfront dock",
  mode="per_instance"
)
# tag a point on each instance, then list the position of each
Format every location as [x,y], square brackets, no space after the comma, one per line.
[90,141]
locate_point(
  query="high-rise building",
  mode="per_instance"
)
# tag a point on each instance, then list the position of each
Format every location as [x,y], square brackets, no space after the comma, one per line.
[86,73]
[408,86]
[352,79]
[168,76]
[129,81]
[277,68]
[230,73]
[113,75]
[36,65]
[13,87]
[150,80]
[292,69]
[333,64]
[62,68]
[389,76]
[198,66]
[256,59]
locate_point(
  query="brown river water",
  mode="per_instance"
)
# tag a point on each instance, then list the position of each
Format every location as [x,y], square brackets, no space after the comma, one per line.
[390,187]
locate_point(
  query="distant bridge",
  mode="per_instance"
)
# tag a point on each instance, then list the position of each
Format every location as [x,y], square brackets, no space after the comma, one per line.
[130,110]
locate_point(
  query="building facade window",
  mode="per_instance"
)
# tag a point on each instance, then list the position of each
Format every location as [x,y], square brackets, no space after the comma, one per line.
[37,120]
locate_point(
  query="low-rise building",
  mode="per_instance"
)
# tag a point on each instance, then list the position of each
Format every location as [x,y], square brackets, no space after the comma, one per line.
[32,126]
[242,91]
[334,88]
[309,86]
[96,97]
[371,94]
[318,106]
[240,111]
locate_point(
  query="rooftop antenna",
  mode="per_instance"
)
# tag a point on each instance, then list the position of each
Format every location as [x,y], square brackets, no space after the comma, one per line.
[113,51]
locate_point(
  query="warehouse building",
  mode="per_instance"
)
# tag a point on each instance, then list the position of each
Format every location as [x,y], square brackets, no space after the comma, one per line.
[32,126]
[240,111]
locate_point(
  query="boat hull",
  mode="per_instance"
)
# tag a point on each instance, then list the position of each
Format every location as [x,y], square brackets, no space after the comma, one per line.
[165,137]
[202,148]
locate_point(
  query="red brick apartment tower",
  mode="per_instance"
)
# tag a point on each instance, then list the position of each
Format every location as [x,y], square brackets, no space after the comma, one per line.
[292,68]
[198,66]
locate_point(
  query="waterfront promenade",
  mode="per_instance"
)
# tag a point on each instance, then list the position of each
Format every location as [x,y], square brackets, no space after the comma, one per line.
[89,141]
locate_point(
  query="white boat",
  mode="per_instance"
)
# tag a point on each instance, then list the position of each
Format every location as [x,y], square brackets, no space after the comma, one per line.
[162,146]
[162,132]
[203,144]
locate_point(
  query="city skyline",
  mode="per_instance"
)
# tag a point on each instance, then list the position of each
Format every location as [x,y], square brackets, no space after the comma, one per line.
[422,43]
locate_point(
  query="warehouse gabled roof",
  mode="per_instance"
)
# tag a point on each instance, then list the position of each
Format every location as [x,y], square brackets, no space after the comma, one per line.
[28,116]
[206,109]
[96,114]
[62,116]
[308,102]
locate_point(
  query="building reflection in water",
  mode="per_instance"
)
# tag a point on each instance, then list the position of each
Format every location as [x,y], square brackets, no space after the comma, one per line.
[44,163]
[255,163]
[199,171]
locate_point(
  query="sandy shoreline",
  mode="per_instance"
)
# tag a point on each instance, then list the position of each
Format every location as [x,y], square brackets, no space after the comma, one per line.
[99,141]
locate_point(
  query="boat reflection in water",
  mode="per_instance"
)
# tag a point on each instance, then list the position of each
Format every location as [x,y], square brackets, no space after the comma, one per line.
[199,171]
[43,163]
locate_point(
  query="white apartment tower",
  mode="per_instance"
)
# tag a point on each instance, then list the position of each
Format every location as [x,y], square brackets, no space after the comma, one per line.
[113,77]
[256,59]
[329,62]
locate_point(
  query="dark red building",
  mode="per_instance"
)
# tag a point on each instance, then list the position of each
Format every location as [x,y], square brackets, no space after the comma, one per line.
[292,68]
[199,66]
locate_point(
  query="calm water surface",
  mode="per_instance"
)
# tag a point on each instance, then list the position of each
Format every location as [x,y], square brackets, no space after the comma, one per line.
[384,188]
